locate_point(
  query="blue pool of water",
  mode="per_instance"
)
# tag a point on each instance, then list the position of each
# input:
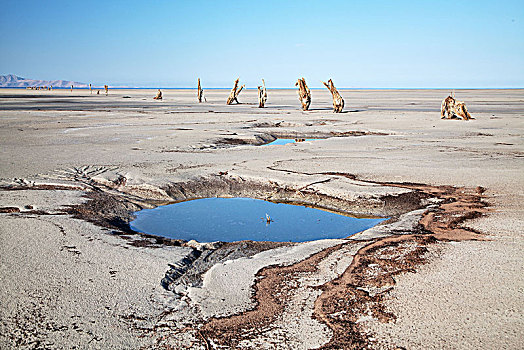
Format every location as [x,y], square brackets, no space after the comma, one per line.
[237,219]
[286,141]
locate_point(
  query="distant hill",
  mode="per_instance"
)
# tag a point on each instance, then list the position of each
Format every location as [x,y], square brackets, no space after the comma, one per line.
[12,80]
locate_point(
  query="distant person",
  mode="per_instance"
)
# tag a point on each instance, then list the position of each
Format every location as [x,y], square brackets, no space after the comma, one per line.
[158,95]
[106,88]
[71,88]
[98,92]
[90,90]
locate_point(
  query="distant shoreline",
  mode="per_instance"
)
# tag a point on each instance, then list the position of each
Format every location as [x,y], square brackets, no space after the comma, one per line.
[269,88]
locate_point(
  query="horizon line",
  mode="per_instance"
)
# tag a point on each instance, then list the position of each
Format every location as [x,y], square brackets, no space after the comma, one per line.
[120,87]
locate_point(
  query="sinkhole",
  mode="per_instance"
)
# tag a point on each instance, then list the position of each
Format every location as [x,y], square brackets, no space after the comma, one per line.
[238,219]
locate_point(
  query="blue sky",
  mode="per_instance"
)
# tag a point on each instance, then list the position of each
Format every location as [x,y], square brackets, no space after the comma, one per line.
[448,44]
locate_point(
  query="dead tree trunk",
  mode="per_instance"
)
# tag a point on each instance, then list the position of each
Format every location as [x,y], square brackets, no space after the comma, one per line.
[200,93]
[304,95]
[262,95]
[234,93]
[338,101]
[452,108]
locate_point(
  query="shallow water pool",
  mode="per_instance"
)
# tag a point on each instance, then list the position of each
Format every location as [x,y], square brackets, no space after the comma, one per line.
[286,141]
[237,219]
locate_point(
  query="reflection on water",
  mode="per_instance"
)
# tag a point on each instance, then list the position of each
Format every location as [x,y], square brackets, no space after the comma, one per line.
[237,219]
[286,141]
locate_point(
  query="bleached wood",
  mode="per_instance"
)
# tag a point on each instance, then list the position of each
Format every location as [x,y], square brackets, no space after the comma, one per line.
[451,108]
[234,93]
[338,101]
[304,95]
[262,95]
[200,93]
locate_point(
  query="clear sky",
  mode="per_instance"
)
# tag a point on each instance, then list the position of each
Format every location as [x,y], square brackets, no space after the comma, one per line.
[449,44]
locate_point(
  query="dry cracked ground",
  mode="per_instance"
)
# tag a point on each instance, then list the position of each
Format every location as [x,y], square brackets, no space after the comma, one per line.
[444,272]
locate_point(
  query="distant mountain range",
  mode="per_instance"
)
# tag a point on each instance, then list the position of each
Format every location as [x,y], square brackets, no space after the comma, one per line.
[12,80]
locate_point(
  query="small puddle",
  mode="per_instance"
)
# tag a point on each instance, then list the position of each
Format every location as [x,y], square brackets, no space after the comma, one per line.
[286,141]
[238,219]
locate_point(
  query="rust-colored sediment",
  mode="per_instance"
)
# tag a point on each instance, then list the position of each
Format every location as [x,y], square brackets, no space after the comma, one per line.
[376,264]
[9,210]
[344,300]
[270,295]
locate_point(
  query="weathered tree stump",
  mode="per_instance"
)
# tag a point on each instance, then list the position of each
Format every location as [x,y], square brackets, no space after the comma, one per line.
[200,93]
[304,95]
[338,101]
[452,108]
[262,95]
[158,95]
[234,93]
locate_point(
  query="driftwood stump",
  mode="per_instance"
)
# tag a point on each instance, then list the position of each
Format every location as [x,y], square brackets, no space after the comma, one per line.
[262,95]
[452,108]
[200,93]
[338,101]
[234,93]
[304,95]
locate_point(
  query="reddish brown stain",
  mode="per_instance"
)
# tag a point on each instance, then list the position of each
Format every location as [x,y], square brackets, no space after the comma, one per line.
[344,300]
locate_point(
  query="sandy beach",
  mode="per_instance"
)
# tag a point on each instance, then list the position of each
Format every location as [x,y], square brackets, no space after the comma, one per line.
[444,273]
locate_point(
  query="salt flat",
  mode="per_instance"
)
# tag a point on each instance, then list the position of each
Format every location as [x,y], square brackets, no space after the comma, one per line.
[70,280]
